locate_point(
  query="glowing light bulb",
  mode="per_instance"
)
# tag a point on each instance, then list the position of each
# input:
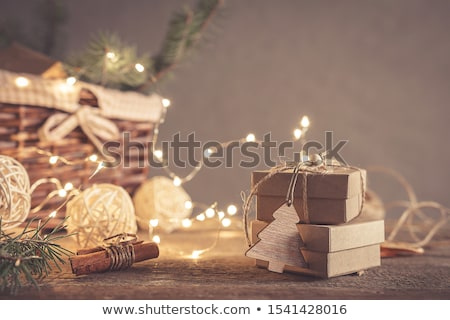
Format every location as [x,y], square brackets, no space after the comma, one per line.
[231,210]
[210,212]
[196,254]
[53,159]
[156,239]
[250,137]
[93,157]
[110,55]
[52,214]
[165,102]
[186,223]
[65,88]
[201,217]
[71,81]
[22,82]
[139,67]
[62,193]
[68,186]
[153,222]
[305,122]
[100,166]
[226,222]
[208,152]
[158,154]
[188,205]
[221,215]
[297,133]
[176,181]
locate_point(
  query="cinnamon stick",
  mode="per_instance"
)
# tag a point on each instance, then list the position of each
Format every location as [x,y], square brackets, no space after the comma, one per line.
[96,249]
[95,260]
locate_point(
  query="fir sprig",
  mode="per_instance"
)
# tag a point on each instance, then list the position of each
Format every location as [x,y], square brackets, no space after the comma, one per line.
[107,61]
[30,255]
[185,31]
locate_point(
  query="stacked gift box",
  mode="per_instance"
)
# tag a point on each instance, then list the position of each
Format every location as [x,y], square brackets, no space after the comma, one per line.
[324,232]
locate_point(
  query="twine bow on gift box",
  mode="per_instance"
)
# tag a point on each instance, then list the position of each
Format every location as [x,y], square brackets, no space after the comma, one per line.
[314,164]
[315,161]
[88,118]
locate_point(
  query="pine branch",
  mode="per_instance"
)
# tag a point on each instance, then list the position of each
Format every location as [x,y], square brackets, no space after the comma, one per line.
[29,256]
[185,30]
[108,62]
[175,42]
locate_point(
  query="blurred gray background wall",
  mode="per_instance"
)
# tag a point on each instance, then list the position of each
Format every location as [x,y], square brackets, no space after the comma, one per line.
[376,73]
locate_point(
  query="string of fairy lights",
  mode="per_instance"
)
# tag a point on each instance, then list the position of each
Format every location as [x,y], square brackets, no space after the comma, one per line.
[224,217]
[67,190]
[206,212]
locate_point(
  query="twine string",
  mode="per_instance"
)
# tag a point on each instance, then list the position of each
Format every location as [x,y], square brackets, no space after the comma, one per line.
[120,251]
[292,184]
[413,208]
[305,196]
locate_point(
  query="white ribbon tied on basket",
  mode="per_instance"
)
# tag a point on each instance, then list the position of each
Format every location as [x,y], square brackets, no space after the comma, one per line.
[88,118]
[94,122]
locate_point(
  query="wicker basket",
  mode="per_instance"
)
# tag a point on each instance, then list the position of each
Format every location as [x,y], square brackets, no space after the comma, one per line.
[19,126]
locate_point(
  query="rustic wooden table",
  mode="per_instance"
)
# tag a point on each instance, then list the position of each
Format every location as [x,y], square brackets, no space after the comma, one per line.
[225,273]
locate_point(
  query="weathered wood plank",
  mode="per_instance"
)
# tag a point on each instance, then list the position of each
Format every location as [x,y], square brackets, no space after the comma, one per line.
[225,273]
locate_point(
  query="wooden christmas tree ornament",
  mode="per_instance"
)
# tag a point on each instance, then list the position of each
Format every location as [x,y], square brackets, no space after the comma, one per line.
[280,242]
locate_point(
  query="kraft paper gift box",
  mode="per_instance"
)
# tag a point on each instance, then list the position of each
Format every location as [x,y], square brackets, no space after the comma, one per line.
[334,196]
[359,232]
[351,248]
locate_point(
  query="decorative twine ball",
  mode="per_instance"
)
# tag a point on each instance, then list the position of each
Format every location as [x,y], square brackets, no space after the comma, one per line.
[99,212]
[15,199]
[158,198]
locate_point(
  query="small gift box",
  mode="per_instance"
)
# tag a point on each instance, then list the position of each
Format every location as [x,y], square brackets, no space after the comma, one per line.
[359,232]
[330,195]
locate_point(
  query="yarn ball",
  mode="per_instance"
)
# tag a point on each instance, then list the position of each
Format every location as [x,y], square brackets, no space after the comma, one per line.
[99,212]
[158,198]
[15,199]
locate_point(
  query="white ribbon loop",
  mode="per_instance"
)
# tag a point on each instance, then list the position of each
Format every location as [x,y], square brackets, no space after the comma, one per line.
[89,119]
